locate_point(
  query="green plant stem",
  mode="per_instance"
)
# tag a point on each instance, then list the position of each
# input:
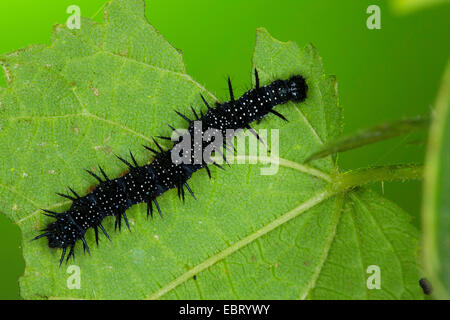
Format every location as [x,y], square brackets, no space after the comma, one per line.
[371,135]
[359,177]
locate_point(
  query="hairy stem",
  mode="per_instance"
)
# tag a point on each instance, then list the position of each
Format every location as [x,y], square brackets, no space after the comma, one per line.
[359,177]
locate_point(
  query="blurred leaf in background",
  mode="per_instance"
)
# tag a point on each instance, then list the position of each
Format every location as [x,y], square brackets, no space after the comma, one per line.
[409,6]
[436,204]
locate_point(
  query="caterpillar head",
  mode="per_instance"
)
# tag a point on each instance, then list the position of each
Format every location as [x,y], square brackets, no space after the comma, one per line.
[297,88]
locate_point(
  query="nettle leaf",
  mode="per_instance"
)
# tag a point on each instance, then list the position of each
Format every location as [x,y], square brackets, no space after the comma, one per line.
[107,88]
[436,209]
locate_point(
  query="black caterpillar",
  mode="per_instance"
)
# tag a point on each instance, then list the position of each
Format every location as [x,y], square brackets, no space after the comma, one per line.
[146,183]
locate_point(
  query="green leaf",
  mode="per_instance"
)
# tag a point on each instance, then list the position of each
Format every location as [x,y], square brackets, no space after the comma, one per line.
[436,208]
[305,232]
[370,135]
[408,6]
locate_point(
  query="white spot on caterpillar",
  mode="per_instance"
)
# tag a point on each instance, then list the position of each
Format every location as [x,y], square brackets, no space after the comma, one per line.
[15,207]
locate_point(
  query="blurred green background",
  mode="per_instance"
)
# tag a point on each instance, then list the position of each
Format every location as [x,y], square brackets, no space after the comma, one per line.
[383,74]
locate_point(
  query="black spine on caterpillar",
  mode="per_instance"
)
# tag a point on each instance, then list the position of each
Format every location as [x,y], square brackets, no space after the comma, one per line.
[143,184]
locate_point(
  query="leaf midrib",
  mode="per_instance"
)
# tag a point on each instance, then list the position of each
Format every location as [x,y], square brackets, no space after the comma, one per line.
[304,206]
